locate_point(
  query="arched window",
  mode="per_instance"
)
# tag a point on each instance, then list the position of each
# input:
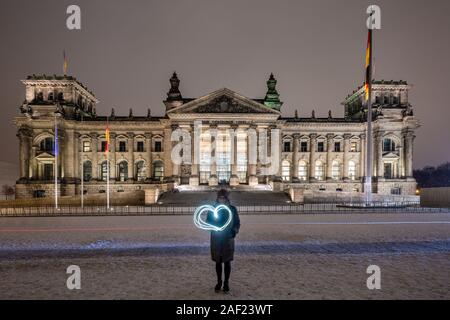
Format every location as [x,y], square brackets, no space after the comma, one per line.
[388,145]
[140,171]
[104,170]
[123,171]
[302,170]
[352,170]
[320,172]
[87,170]
[335,170]
[286,170]
[50,96]
[46,145]
[60,96]
[158,170]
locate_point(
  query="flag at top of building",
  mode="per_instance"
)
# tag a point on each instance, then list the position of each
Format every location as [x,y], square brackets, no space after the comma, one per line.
[107,138]
[368,65]
[65,63]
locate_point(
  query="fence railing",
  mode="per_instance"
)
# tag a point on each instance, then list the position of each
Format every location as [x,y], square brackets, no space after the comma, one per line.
[288,208]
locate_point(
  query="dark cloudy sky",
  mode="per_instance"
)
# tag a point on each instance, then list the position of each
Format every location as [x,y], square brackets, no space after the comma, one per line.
[127,50]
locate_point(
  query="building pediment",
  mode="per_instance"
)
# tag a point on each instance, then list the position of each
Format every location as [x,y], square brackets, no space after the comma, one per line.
[391,155]
[223,101]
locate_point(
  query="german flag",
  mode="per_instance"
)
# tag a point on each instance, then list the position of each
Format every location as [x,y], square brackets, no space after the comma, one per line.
[107,138]
[368,65]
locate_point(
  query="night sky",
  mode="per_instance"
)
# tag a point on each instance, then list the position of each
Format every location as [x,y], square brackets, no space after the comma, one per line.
[126,52]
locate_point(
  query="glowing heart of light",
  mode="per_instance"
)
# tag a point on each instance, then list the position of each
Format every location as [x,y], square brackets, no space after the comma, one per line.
[201,224]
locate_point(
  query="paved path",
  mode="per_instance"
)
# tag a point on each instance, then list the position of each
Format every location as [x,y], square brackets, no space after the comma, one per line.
[277,256]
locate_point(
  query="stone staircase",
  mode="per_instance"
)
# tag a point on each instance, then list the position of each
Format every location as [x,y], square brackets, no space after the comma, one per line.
[237,197]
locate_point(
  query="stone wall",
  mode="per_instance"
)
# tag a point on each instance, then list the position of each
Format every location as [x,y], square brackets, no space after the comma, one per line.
[435,197]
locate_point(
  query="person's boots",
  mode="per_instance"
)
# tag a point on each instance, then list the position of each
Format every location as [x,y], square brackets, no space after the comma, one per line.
[226,288]
[218,286]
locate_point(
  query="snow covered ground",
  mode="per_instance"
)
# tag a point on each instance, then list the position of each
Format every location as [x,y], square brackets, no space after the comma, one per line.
[277,257]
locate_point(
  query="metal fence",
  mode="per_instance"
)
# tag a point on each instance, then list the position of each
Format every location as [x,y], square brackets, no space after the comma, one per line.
[288,208]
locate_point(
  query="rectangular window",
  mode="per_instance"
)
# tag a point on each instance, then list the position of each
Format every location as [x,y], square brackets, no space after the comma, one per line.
[320,146]
[353,147]
[122,146]
[140,146]
[337,147]
[304,146]
[158,146]
[287,146]
[103,147]
[86,146]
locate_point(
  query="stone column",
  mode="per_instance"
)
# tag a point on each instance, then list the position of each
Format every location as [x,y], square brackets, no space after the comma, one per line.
[213,179]
[362,155]
[33,164]
[130,142]
[24,153]
[234,179]
[330,140]
[148,160]
[252,156]
[195,152]
[409,139]
[346,154]
[168,165]
[76,155]
[258,147]
[295,156]
[94,146]
[112,156]
[312,155]
[175,166]
[379,148]
[69,162]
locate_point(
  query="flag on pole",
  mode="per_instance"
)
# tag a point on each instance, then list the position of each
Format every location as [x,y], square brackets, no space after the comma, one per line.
[368,65]
[107,138]
[65,62]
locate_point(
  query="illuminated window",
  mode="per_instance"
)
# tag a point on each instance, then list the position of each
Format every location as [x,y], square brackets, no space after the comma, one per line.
[158,170]
[320,172]
[86,146]
[140,171]
[335,170]
[353,146]
[123,171]
[352,170]
[286,170]
[87,171]
[302,170]
[104,171]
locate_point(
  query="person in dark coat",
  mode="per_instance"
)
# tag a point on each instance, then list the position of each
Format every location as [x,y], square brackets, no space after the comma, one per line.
[222,242]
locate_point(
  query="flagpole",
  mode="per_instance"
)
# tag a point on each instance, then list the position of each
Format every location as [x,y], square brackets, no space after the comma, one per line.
[56,163]
[369,147]
[107,164]
[82,171]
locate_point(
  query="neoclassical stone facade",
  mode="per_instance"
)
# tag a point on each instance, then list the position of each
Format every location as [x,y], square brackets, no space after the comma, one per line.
[320,154]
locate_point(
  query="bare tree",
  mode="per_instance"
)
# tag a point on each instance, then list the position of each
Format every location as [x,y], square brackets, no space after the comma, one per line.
[7,190]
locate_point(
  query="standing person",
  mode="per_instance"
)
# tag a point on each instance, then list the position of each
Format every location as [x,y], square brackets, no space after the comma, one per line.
[222,242]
